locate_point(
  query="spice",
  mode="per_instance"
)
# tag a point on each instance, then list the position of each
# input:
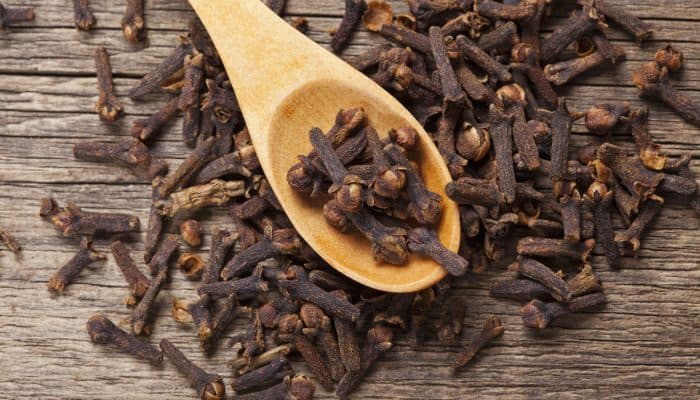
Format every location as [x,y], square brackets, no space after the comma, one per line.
[130,153]
[272,373]
[669,57]
[317,325]
[630,239]
[541,273]
[502,138]
[520,289]
[584,282]
[353,13]
[580,23]
[162,71]
[145,129]
[138,283]
[191,265]
[296,281]
[10,241]
[640,29]
[84,20]
[496,10]
[476,55]
[67,273]
[103,331]
[563,72]
[379,340]
[108,106]
[546,247]
[378,13]
[652,80]
[424,241]
[72,221]
[449,326]
[298,388]
[133,23]
[208,386]
[12,16]
[537,314]
[492,329]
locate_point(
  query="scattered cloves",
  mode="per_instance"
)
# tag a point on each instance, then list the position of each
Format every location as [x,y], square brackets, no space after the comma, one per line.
[130,153]
[537,314]
[424,241]
[133,23]
[541,273]
[353,13]
[138,283]
[72,221]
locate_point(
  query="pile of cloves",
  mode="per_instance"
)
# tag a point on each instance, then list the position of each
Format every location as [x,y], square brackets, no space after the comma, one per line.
[381,196]
[482,83]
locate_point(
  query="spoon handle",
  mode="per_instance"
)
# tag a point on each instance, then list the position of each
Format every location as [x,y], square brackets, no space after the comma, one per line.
[265,58]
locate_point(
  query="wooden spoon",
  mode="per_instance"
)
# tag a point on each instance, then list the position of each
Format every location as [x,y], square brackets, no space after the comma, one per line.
[286,84]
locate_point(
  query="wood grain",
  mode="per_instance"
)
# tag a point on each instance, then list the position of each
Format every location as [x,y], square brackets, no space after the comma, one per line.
[644,344]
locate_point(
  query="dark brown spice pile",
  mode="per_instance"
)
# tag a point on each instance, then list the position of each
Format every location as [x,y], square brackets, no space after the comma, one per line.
[482,82]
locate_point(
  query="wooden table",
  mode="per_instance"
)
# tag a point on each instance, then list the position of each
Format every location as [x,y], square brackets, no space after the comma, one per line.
[643,344]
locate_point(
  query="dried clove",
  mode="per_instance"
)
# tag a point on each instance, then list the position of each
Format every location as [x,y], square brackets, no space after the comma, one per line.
[520,289]
[10,241]
[640,29]
[347,342]
[492,329]
[108,106]
[571,216]
[387,243]
[12,16]
[552,248]
[103,331]
[580,23]
[347,189]
[404,37]
[603,117]
[212,194]
[208,386]
[584,282]
[652,80]
[425,241]
[291,329]
[191,232]
[388,180]
[162,71]
[296,282]
[130,153]
[502,138]
[231,163]
[353,13]
[669,57]
[72,221]
[190,166]
[502,38]
[631,172]
[318,325]
[133,23]
[537,314]
[138,283]
[84,20]
[155,222]
[379,341]
[630,238]
[563,72]
[259,378]
[541,273]
[471,84]
[425,206]
[298,388]
[476,55]
[495,10]
[378,13]
[243,289]
[561,136]
[67,273]
[145,129]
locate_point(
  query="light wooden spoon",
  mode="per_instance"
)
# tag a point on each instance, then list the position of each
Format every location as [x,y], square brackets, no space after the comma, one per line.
[286,84]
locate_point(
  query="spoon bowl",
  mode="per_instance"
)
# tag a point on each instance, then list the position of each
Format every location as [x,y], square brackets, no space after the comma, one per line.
[286,84]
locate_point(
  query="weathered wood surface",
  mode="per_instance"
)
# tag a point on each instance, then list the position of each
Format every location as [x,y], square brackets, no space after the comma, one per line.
[644,344]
